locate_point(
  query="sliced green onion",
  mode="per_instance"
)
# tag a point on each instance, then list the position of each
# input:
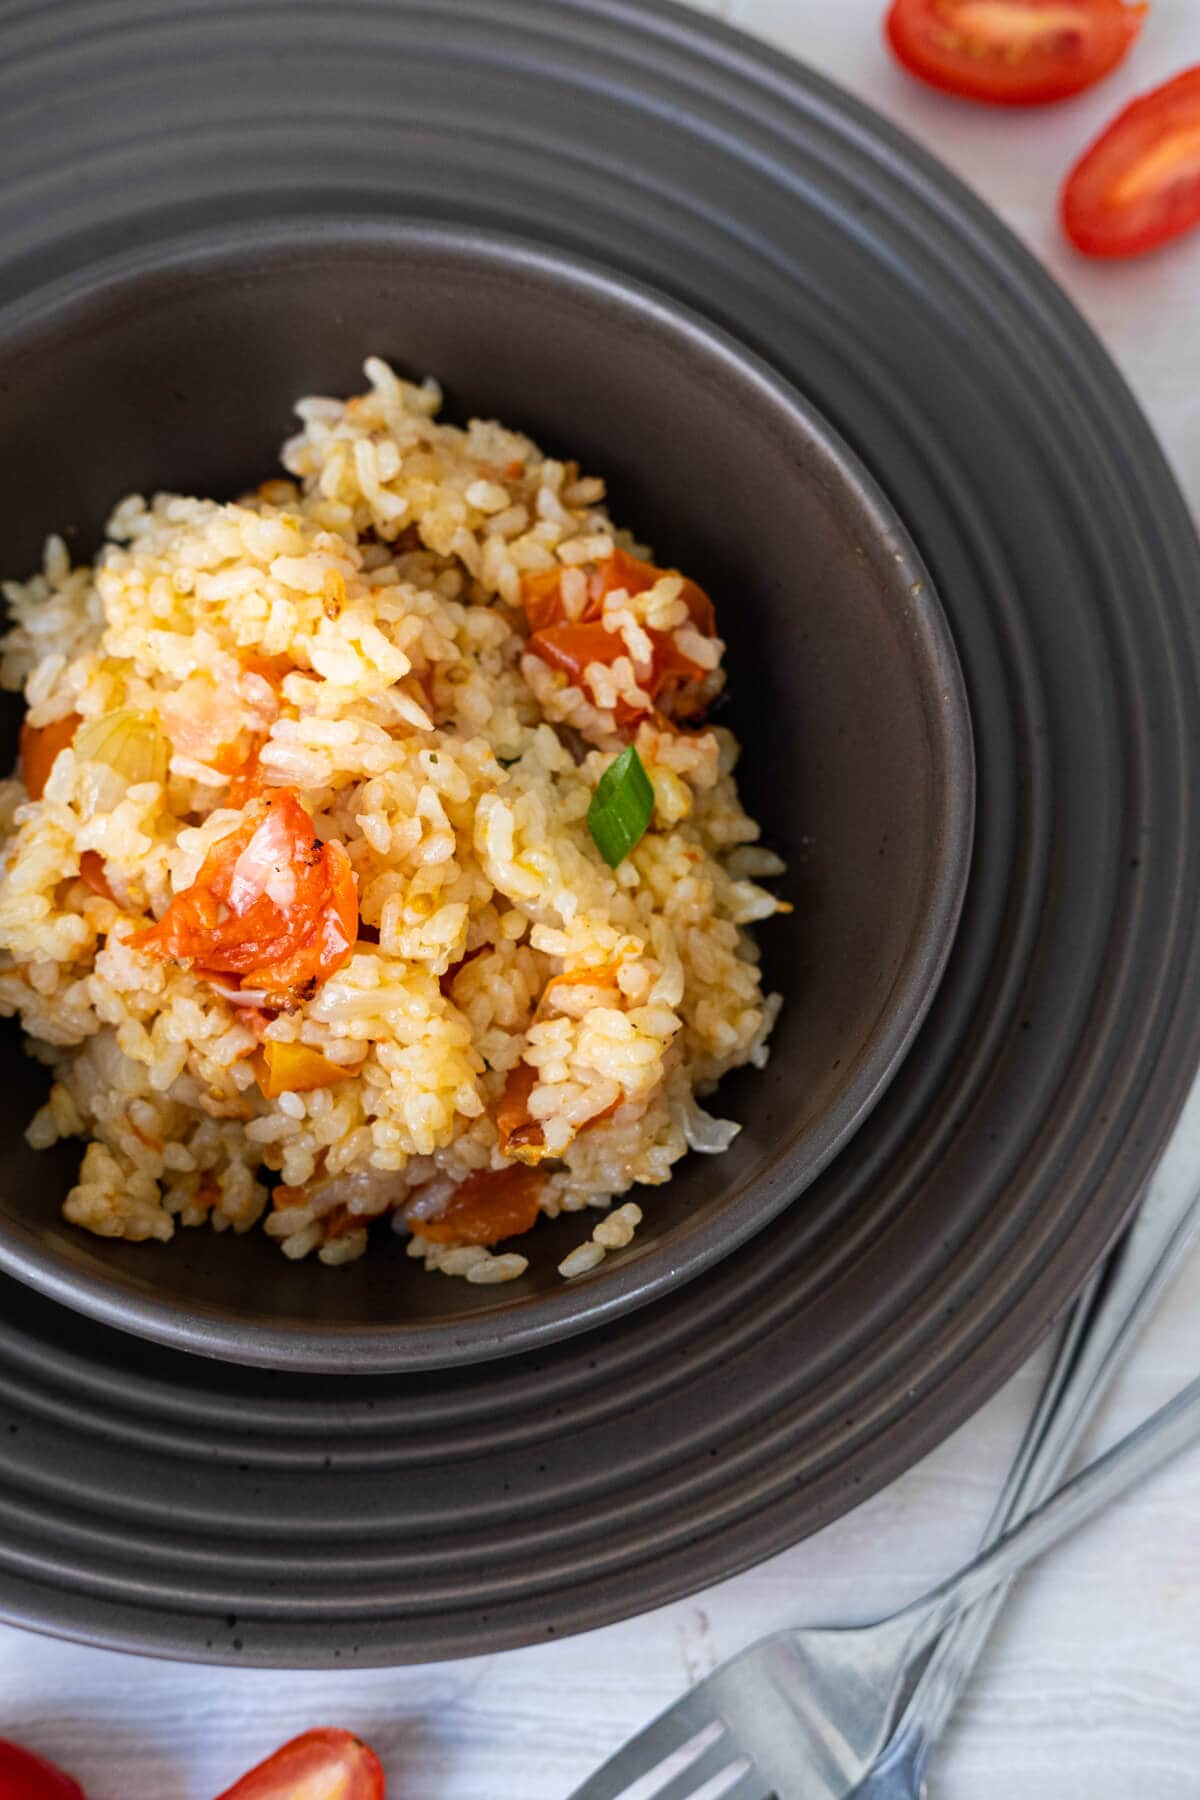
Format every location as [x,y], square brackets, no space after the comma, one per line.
[621,807]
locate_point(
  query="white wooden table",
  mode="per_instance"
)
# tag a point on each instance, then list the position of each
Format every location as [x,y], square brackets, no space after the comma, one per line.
[1091,1688]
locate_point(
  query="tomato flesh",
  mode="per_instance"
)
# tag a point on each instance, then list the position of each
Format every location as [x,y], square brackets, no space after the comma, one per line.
[572,648]
[570,644]
[40,745]
[1012,52]
[24,1776]
[247,779]
[518,1133]
[544,605]
[324,1764]
[484,1209]
[271,904]
[1138,186]
[296,1069]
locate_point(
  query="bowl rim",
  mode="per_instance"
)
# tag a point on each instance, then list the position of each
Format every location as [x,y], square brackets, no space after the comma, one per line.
[522,1324]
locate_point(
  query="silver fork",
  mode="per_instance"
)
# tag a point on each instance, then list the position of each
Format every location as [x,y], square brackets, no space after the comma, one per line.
[821,1714]
[1100,1334]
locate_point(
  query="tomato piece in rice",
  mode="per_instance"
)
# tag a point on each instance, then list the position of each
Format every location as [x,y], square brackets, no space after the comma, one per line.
[486,1208]
[272,904]
[40,747]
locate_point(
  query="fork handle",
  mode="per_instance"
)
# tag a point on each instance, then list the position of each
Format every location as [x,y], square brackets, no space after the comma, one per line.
[1063,1411]
[1101,1331]
[1162,1436]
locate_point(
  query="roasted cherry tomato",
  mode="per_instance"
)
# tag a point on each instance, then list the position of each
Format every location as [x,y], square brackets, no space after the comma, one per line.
[484,1209]
[271,904]
[319,1765]
[1012,52]
[1139,184]
[24,1776]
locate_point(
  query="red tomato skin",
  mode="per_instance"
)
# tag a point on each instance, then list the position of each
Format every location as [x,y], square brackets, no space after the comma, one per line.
[40,746]
[325,1750]
[543,595]
[1094,217]
[24,1776]
[916,31]
[279,947]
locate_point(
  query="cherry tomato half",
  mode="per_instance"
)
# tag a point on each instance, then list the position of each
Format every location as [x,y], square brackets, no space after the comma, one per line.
[271,903]
[1139,184]
[1012,52]
[324,1764]
[24,1776]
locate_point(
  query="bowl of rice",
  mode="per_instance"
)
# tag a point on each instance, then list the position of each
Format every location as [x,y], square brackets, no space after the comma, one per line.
[491,795]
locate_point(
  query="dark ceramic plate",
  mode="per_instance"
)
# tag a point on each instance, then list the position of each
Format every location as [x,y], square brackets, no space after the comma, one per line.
[183,364]
[158,1501]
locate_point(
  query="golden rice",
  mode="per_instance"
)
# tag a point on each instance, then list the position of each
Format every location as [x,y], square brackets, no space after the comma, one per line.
[386,575]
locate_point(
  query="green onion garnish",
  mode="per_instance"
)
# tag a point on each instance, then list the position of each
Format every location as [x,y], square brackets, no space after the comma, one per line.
[621,807]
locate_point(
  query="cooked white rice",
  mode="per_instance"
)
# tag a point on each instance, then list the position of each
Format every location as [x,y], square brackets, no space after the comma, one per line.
[384,583]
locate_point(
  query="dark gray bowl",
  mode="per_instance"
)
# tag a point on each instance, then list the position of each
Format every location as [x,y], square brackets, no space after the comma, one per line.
[178,369]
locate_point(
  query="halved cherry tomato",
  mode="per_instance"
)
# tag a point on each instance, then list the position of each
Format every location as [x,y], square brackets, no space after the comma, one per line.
[24,1776]
[324,1764]
[91,871]
[296,1069]
[40,745]
[1139,184]
[271,904]
[484,1209]
[1012,52]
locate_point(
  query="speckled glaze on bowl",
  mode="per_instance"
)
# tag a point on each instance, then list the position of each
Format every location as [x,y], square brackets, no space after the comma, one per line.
[177,368]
